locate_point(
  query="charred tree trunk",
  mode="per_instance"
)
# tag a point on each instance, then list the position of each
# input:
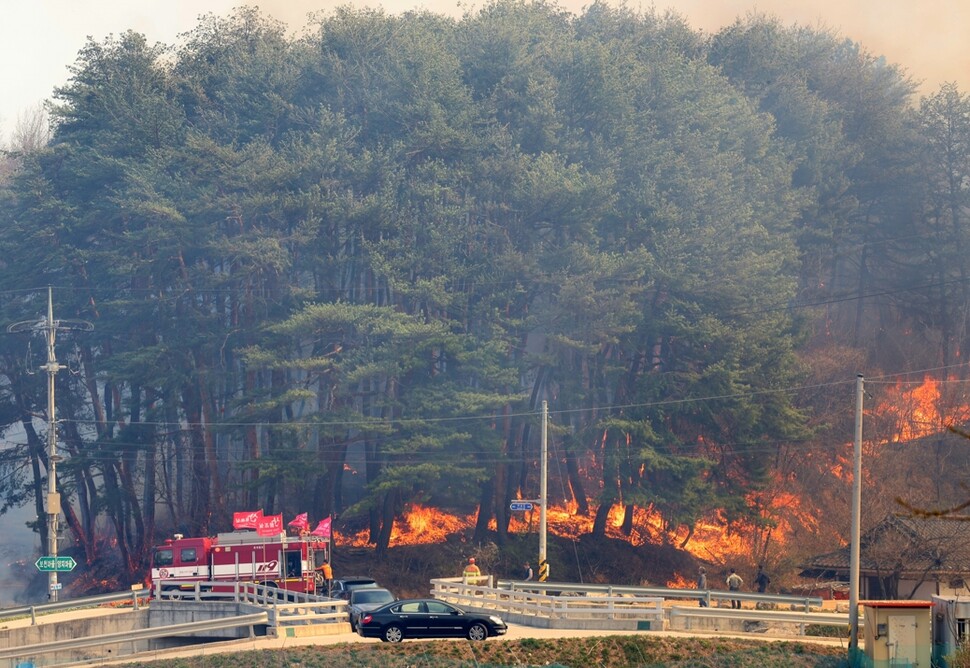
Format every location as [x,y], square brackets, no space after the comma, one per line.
[198,501]
[599,522]
[485,505]
[576,484]
[387,524]
[627,527]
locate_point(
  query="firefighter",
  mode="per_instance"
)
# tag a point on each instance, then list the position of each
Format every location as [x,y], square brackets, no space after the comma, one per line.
[472,574]
[324,576]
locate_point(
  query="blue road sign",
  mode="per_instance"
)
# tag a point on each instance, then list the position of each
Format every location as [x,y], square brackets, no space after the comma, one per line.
[520,505]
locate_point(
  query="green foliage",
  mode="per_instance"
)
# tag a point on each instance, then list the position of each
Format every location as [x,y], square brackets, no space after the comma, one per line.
[339,273]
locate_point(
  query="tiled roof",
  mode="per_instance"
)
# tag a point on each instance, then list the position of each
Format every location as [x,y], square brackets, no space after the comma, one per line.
[910,545]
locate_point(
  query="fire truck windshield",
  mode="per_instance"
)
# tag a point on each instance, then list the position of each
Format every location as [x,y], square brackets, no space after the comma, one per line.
[164,557]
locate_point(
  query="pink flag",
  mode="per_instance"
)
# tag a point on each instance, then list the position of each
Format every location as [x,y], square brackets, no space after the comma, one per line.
[323,528]
[299,522]
[247,520]
[270,525]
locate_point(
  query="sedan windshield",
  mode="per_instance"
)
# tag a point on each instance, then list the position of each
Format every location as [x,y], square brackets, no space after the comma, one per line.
[372,596]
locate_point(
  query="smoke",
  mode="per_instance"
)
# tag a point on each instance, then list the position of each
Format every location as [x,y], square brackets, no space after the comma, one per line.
[927,39]
[18,552]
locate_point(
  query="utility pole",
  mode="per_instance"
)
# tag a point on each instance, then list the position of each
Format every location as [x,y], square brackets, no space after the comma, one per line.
[49,328]
[856,521]
[543,493]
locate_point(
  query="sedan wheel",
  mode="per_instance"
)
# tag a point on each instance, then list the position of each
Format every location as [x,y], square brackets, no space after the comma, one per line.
[393,634]
[477,631]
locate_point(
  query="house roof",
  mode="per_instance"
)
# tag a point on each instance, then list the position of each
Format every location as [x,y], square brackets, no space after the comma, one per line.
[897,604]
[911,546]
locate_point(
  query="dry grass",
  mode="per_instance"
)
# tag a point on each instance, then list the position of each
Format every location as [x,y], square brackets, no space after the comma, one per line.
[602,652]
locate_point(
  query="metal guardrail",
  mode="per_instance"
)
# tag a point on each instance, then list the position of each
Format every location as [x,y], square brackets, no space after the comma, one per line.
[284,607]
[764,615]
[531,603]
[667,593]
[571,601]
[281,608]
[84,602]
[28,651]
[802,619]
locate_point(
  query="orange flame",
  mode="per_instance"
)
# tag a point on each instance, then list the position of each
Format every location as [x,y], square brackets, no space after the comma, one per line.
[680,582]
[920,411]
[914,412]
[421,525]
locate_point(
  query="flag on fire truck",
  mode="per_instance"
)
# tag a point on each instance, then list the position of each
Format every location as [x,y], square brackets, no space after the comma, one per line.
[323,528]
[299,522]
[270,525]
[247,520]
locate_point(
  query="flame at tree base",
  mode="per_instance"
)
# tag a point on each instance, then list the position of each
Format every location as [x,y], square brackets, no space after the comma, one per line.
[423,525]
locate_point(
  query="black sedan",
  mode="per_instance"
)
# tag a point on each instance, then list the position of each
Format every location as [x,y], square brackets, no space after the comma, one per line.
[427,618]
[364,600]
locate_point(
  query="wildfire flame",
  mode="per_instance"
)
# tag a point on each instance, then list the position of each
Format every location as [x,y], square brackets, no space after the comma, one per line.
[920,411]
[912,412]
[421,525]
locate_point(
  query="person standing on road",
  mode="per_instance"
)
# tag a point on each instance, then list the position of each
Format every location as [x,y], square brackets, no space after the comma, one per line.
[734,583]
[472,574]
[702,583]
[527,572]
[762,579]
[325,577]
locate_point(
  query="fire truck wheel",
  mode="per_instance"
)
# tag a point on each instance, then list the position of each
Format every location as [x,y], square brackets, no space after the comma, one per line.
[393,634]
[477,632]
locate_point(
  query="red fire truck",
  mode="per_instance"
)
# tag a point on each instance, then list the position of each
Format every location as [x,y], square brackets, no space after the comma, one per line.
[287,562]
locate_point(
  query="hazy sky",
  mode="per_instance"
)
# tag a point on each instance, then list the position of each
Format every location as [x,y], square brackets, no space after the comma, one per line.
[39,39]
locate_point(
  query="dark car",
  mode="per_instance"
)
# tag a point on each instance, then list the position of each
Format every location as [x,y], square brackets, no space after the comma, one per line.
[341,587]
[427,618]
[365,599]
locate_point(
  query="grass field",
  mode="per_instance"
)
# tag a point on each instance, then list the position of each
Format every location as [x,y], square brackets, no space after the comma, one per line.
[600,652]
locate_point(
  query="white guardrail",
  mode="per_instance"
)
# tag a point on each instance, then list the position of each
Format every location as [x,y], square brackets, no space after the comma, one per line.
[284,607]
[132,636]
[581,602]
[805,603]
[280,608]
[530,602]
[798,618]
[86,602]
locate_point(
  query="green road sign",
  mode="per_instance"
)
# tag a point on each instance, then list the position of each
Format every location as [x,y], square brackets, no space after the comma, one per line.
[47,564]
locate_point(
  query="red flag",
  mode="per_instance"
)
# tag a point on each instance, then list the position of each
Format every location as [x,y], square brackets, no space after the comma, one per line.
[323,528]
[270,525]
[247,520]
[299,522]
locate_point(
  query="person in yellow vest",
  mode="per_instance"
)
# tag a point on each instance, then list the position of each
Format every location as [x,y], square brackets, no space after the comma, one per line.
[324,577]
[472,574]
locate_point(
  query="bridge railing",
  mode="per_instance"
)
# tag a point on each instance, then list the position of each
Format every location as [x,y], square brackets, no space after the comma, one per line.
[84,602]
[545,604]
[806,603]
[16,655]
[285,607]
[801,619]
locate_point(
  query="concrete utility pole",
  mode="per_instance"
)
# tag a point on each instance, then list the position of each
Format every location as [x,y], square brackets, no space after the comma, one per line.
[49,327]
[543,493]
[856,521]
